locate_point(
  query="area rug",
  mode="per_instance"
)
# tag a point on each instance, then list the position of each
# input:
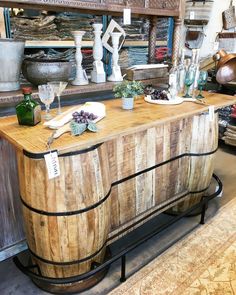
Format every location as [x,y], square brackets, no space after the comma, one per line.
[203,263]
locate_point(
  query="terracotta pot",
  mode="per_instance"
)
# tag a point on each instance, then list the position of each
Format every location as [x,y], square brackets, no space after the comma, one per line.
[11,56]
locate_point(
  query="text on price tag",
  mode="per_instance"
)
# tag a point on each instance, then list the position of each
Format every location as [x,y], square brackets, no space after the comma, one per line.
[52,164]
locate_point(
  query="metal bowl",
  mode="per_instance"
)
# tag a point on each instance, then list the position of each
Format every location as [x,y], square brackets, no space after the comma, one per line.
[41,71]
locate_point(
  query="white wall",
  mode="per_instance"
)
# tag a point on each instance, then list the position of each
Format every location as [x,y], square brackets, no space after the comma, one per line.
[213,27]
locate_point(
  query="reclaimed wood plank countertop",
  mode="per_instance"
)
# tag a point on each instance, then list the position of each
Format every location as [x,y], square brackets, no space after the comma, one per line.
[117,122]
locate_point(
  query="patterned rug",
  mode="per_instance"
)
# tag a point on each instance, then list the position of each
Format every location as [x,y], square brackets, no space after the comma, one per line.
[203,263]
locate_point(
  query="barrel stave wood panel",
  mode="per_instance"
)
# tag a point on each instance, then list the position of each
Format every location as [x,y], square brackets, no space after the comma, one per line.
[84,181]
[51,195]
[136,196]
[140,151]
[204,139]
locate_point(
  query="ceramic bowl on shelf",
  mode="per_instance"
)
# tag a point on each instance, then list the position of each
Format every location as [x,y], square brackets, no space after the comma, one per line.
[40,71]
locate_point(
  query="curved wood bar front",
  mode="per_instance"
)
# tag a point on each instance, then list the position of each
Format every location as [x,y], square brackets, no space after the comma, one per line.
[140,163]
[67,219]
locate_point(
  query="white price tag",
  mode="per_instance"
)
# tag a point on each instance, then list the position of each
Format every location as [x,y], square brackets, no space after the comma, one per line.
[52,164]
[216,45]
[211,113]
[192,15]
[99,68]
[127,16]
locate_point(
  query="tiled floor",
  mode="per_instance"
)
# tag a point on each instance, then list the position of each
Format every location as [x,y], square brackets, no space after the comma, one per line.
[13,282]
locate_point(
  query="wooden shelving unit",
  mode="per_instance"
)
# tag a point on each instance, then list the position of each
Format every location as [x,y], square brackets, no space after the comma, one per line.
[2,24]
[69,44]
[13,97]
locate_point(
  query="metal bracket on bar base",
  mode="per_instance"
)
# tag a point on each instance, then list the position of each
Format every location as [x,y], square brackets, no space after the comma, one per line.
[122,254]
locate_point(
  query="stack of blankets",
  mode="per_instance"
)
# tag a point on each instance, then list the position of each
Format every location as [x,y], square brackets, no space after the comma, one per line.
[139,28]
[58,26]
[230,132]
[133,56]
[230,135]
[67,22]
[53,26]
[38,28]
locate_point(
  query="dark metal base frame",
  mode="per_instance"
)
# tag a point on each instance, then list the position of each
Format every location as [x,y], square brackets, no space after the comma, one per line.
[122,254]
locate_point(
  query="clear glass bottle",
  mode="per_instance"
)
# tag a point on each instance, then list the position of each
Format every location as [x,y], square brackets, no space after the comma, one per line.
[193,59]
[197,67]
[192,67]
[181,71]
[28,111]
[173,80]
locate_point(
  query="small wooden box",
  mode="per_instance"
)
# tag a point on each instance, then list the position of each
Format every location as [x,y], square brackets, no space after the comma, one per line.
[145,73]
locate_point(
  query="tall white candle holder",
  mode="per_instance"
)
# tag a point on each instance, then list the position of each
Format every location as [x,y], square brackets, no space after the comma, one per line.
[81,77]
[116,72]
[98,74]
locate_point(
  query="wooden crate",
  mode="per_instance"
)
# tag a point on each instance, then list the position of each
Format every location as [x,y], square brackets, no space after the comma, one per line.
[143,74]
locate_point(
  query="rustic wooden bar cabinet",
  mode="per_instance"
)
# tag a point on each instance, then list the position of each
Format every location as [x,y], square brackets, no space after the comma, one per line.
[12,238]
[139,164]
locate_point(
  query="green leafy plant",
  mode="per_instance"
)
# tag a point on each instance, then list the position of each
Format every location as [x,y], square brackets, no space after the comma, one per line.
[128,89]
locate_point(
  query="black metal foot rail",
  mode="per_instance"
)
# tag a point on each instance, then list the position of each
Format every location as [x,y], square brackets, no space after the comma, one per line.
[122,254]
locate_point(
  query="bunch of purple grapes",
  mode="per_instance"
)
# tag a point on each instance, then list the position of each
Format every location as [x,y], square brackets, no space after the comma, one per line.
[159,94]
[83,117]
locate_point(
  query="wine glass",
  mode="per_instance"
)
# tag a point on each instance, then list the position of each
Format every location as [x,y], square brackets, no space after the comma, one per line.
[58,87]
[202,80]
[46,95]
[189,79]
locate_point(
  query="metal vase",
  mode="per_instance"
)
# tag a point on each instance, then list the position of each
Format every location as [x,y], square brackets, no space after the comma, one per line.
[11,56]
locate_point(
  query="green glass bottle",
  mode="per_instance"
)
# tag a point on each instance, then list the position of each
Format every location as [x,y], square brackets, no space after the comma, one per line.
[28,111]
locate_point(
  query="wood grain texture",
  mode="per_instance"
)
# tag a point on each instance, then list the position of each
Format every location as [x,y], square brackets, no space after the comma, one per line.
[117,122]
[177,39]
[12,97]
[134,199]
[104,7]
[2,24]
[204,137]
[132,142]
[83,182]
[10,213]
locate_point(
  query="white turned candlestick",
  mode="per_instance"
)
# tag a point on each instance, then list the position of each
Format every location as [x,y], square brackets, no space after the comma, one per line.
[98,73]
[116,72]
[81,77]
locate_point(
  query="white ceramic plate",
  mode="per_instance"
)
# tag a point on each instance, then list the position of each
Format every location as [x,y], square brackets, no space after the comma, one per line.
[177,100]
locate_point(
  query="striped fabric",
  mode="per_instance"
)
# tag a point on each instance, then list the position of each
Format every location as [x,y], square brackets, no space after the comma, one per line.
[201,9]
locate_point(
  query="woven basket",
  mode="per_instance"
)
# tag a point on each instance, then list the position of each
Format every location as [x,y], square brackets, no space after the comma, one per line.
[228,17]
[200,9]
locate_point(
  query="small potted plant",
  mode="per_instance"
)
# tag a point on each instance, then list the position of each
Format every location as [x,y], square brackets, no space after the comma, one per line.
[127,90]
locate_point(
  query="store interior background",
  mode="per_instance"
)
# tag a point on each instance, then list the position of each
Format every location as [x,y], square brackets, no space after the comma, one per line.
[213,27]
